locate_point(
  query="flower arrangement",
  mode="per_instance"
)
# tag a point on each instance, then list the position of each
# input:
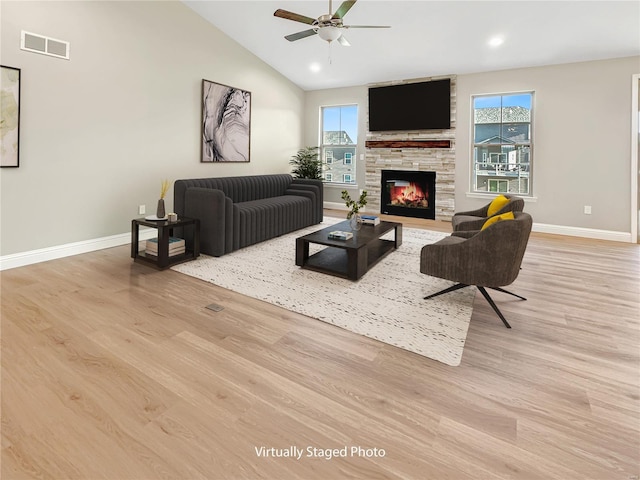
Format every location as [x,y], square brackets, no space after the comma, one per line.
[354,206]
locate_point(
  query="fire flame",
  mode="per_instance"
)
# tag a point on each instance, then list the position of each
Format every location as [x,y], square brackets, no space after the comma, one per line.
[409,196]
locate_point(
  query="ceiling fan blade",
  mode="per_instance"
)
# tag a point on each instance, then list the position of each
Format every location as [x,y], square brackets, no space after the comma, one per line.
[343,41]
[366,26]
[343,9]
[294,16]
[297,36]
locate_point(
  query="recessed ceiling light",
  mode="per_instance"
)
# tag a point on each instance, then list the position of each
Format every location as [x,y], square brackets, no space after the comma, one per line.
[315,67]
[496,41]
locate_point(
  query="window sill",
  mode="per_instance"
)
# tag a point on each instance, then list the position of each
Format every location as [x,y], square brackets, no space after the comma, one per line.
[490,195]
[341,185]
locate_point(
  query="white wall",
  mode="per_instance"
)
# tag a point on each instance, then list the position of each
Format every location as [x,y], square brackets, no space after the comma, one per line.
[101,131]
[582,139]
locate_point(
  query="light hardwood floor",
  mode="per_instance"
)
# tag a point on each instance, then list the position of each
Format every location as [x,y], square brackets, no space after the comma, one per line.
[111,370]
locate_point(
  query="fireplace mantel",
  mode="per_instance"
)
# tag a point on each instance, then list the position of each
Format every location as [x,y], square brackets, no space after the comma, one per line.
[408,144]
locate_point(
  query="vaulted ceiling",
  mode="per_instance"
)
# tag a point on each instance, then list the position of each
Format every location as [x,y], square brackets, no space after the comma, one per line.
[428,38]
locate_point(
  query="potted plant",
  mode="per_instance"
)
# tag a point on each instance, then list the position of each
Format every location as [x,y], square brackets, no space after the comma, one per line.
[307,163]
[354,208]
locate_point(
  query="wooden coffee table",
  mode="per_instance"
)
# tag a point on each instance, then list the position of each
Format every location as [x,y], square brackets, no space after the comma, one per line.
[348,258]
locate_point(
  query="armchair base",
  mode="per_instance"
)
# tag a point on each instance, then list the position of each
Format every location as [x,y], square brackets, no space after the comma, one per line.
[485,294]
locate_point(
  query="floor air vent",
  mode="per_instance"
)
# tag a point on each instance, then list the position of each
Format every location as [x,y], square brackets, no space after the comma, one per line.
[32,42]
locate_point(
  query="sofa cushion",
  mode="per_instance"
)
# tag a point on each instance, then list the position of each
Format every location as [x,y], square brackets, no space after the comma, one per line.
[260,220]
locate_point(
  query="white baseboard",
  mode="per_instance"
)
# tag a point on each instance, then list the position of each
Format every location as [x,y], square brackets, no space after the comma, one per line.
[583,232]
[546,228]
[334,206]
[51,253]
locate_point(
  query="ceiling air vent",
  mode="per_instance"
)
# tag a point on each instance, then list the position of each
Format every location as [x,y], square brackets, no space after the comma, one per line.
[32,42]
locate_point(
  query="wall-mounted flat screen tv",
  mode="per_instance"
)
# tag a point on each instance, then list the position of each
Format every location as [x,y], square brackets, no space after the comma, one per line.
[411,106]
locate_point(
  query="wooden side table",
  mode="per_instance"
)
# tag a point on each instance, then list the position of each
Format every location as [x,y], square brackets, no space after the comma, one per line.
[165,230]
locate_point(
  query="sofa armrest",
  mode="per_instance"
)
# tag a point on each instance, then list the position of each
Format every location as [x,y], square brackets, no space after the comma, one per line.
[311,194]
[316,186]
[214,210]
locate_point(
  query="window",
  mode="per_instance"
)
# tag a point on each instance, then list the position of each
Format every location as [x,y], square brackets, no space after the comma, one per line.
[502,146]
[328,156]
[496,185]
[339,134]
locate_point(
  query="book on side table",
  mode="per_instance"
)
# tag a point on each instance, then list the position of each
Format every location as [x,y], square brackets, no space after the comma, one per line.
[176,246]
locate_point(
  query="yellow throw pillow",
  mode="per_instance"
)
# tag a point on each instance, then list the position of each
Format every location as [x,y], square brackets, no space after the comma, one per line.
[498,218]
[497,204]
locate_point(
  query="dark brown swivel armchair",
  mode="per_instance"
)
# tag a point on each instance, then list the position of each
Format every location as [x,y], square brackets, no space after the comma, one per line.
[489,259]
[474,219]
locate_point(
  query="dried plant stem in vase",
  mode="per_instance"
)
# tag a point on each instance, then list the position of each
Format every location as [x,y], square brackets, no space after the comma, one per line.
[161,213]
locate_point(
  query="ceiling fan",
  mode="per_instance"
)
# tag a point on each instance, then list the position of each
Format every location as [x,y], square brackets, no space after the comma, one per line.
[328,27]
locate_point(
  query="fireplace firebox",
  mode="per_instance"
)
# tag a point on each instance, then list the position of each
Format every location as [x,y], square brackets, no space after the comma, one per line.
[408,193]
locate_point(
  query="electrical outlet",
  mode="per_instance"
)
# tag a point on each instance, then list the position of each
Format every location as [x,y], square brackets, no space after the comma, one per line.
[587,209]
[142,209]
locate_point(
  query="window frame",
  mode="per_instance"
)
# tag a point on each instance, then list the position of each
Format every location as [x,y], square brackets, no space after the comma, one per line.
[501,160]
[338,166]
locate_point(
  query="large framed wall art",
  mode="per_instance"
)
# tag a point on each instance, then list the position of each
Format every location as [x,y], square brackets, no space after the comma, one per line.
[9,116]
[226,123]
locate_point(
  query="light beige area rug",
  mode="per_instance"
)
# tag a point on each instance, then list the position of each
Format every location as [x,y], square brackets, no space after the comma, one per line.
[385,304]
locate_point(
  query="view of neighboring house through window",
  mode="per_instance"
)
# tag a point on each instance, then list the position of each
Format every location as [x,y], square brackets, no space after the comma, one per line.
[328,156]
[502,143]
[339,135]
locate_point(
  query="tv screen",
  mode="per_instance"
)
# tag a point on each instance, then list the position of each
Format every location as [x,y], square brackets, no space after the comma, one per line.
[411,106]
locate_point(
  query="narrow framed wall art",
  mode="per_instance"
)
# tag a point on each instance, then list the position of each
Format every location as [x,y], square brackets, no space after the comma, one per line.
[9,116]
[226,123]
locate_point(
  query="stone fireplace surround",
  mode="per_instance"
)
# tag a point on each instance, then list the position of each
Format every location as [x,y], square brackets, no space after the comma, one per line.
[426,150]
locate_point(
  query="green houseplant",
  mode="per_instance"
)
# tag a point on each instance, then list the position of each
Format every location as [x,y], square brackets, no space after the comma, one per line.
[354,207]
[307,163]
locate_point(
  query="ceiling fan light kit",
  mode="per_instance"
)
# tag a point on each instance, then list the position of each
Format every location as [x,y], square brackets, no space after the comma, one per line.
[329,33]
[328,26]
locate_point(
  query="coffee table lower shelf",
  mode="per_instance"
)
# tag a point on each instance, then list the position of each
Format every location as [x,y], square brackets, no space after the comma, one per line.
[335,261]
[349,259]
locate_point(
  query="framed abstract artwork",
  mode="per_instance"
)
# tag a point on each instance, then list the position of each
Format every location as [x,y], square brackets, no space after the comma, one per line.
[9,116]
[226,123]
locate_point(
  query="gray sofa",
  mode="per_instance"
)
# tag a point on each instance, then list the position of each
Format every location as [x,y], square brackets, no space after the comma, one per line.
[236,212]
